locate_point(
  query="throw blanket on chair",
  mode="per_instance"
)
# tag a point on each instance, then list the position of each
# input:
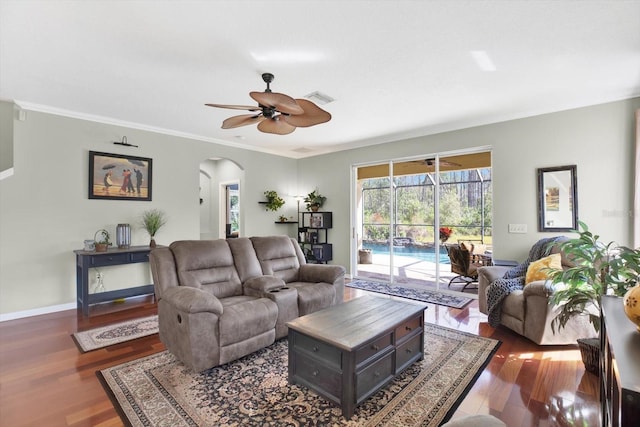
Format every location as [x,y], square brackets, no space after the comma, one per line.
[514,279]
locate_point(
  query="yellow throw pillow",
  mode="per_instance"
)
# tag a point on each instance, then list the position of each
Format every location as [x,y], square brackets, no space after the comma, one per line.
[538,269]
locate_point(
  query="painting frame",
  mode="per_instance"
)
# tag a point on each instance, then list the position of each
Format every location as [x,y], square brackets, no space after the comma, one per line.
[119,177]
[558,198]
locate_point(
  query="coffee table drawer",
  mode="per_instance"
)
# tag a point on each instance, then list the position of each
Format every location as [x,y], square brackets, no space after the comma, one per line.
[408,352]
[407,327]
[318,375]
[374,376]
[374,348]
[319,350]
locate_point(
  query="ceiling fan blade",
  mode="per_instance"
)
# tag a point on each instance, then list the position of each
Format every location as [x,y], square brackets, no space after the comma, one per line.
[235,107]
[281,102]
[313,115]
[276,125]
[243,120]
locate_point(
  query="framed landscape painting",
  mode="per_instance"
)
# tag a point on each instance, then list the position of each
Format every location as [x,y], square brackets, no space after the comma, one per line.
[119,177]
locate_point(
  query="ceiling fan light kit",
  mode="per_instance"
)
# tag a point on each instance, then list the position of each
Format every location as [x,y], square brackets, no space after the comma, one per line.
[276,113]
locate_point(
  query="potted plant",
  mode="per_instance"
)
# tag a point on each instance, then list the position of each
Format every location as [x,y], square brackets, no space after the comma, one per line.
[599,269]
[102,240]
[151,221]
[314,200]
[445,233]
[274,202]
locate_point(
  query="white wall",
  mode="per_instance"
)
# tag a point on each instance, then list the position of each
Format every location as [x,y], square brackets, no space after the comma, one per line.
[598,139]
[45,213]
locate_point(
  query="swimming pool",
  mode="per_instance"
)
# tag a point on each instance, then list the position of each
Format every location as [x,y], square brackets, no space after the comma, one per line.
[424,254]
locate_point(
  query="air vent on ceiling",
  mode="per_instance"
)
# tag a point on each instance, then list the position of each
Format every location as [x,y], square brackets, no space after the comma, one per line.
[319,98]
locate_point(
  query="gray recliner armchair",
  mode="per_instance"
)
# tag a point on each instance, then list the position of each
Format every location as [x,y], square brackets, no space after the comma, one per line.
[529,311]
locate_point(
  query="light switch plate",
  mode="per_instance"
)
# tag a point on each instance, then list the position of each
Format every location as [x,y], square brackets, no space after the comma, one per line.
[517,228]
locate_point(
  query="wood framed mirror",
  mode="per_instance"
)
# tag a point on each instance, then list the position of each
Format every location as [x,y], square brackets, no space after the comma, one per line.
[557,198]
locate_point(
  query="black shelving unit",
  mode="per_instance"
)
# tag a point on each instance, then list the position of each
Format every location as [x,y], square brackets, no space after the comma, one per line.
[313,236]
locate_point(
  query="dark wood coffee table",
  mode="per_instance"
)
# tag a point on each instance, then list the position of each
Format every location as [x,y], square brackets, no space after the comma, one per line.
[349,351]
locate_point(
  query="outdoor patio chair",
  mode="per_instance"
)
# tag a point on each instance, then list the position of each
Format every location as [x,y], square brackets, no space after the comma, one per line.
[465,264]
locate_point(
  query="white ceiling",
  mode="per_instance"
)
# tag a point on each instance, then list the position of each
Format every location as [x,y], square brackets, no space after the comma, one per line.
[396,69]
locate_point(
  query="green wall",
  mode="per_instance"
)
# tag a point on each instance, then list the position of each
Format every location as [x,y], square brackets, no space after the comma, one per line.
[598,139]
[45,213]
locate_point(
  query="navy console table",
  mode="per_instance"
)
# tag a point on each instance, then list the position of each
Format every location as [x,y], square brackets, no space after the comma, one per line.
[91,259]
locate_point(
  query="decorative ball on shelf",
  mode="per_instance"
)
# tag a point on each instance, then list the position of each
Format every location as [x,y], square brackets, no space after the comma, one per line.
[631,302]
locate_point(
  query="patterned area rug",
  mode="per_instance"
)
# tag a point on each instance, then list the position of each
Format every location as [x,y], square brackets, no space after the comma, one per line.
[254,391]
[104,336]
[411,293]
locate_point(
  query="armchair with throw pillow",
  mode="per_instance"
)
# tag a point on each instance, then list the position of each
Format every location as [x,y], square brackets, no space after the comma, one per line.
[519,297]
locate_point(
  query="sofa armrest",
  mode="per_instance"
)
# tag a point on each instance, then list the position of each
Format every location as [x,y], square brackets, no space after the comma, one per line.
[264,283]
[541,288]
[489,274]
[315,273]
[486,276]
[193,300]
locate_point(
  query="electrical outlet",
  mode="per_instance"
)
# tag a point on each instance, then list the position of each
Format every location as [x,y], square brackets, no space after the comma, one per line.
[99,276]
[517,228]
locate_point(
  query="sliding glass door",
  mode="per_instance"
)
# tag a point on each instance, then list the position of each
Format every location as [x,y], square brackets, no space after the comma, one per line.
[407,211]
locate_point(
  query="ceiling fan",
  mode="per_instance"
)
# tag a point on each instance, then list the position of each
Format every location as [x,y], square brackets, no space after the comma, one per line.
[432,162]
[276,112]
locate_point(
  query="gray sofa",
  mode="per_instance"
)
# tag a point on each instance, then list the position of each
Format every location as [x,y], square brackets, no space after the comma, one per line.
[219,300]
[529,311]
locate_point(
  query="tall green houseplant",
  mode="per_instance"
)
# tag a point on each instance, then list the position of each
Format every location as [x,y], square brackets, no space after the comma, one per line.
[599,269]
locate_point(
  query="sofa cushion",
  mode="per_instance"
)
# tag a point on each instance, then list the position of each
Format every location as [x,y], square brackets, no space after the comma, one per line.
[277,257]
[245,317]
[539,270]
[207,265]
[313,296]
[244,257]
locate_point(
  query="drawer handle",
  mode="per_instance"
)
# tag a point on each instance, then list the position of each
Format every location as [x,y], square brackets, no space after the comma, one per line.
[110,258]
[375,347]
[408,350]
[376,374]
[315,349]
[408,328]
[315,373]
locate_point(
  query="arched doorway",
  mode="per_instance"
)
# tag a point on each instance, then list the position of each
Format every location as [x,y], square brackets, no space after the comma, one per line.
[220,198]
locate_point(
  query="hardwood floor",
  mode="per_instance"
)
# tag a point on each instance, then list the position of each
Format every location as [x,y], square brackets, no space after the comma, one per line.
[46,381]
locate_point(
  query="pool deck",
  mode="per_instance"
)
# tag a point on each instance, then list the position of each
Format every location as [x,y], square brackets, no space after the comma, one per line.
[412,272]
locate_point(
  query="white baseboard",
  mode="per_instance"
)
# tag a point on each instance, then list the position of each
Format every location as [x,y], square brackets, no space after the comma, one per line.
[37,311]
